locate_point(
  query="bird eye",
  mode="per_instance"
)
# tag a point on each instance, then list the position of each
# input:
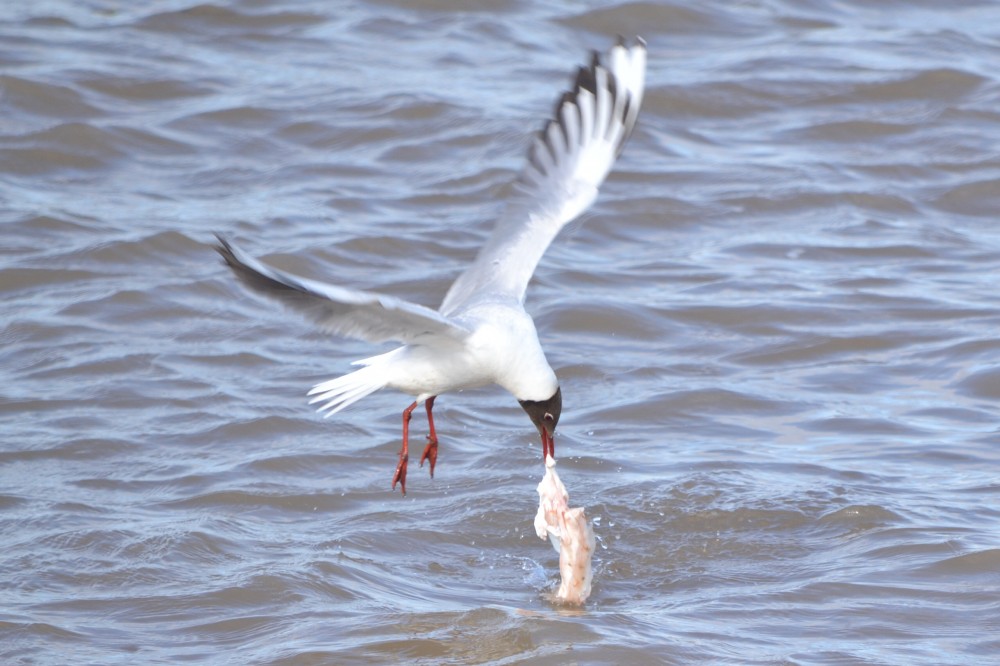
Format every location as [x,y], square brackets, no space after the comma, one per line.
[548,416]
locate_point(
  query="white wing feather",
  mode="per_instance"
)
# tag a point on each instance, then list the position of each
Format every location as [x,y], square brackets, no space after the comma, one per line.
[356,314]
[567,162]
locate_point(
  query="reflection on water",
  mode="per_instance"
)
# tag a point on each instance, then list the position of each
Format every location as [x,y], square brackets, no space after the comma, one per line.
[775,333]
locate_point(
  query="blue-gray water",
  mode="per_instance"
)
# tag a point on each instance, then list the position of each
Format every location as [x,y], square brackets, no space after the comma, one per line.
[776,334]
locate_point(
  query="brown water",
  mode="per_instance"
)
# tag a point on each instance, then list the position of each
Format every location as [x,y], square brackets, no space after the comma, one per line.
[776,333]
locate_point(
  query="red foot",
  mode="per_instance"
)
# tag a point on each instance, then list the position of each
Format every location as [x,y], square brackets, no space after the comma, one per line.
[400,474]
[431,450]
[404,453]
[430,454]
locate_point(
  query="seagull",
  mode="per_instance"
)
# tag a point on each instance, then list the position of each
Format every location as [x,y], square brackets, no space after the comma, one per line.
[481,333]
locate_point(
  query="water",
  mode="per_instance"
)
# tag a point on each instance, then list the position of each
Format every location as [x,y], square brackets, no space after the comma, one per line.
[776,334]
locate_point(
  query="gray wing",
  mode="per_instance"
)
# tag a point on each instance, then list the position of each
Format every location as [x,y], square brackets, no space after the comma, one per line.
[355,314]
[567,162]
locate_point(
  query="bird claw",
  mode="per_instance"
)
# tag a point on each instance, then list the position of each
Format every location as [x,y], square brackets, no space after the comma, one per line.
[400,475]
[430,453]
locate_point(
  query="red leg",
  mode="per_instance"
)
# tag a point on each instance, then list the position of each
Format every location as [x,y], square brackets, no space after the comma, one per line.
[404,453]
[431,450]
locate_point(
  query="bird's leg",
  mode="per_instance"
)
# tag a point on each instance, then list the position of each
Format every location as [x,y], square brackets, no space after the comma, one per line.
[431,450]
[404,453]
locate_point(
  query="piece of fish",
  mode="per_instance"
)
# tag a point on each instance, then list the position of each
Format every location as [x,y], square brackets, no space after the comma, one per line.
[570,533]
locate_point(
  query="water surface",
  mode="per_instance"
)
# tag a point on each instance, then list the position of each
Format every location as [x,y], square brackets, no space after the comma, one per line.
[776,335]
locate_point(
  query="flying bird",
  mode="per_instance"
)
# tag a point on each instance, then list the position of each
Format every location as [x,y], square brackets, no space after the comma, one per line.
[481,334]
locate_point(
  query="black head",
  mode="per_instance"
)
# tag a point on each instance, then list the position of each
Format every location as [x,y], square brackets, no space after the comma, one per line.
[544,413]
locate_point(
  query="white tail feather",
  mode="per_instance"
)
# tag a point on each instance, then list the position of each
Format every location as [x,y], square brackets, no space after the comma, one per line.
[336,394]
[344,391]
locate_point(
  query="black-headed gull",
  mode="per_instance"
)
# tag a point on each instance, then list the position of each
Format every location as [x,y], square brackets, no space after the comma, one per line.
[481,334]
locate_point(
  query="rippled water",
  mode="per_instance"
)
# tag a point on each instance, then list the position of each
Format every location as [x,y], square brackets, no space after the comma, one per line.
[776,334]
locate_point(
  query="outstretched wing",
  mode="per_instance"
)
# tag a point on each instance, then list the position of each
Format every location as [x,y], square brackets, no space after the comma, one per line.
[567,162]
[355,314]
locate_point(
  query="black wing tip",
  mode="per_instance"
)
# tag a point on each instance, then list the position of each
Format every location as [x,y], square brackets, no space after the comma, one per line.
[636,41]
[586,80]
[586,76]
[228,254]
[566,98]
[250,275]
[230,257]
[224,248]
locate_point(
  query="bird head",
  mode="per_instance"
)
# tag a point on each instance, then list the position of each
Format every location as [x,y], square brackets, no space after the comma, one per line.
[545,415]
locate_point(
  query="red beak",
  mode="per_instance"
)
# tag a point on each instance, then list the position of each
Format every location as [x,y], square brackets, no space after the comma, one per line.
[548,445]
